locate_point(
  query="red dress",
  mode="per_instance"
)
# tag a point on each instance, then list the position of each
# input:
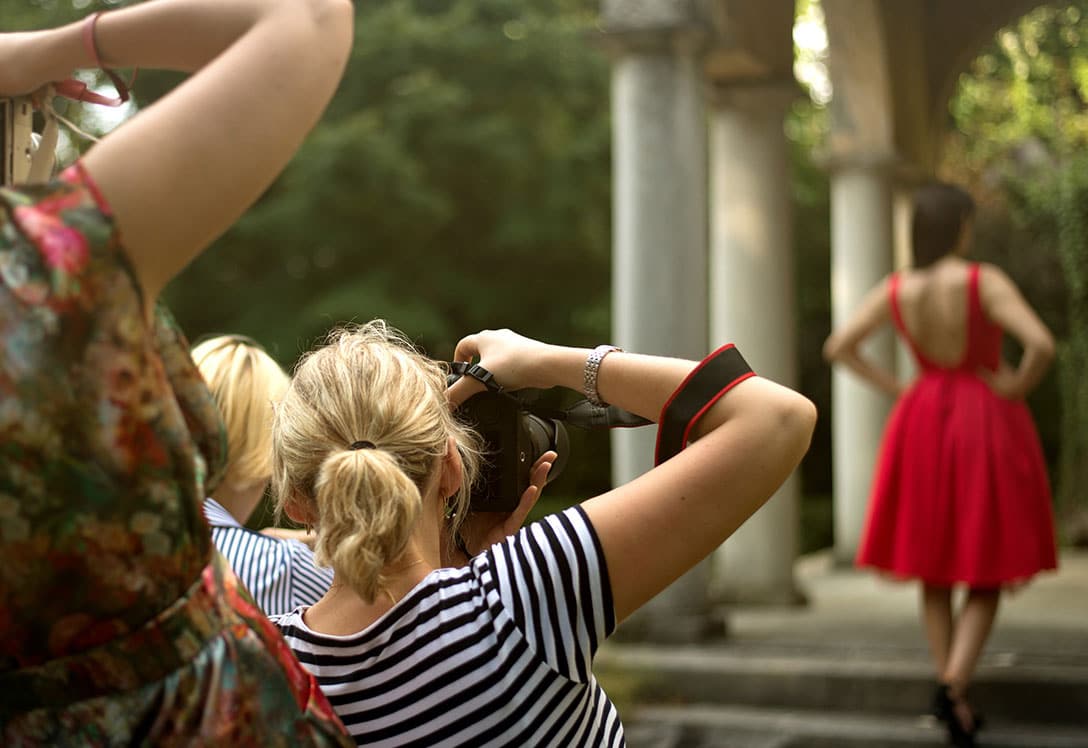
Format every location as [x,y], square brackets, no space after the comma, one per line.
[961,493]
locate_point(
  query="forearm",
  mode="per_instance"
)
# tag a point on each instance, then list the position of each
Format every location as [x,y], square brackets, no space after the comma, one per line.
[636,383]
[178,35]
[875,375]
[643,384]
[1033,366]
[178,174]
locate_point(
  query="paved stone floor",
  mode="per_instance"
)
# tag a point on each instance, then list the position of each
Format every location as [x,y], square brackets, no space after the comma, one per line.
[1046,620]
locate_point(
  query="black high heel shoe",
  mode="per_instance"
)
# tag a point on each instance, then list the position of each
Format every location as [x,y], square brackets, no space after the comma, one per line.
[944,709]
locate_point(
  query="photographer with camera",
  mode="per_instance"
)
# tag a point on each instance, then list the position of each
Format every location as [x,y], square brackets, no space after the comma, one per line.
[499,652]
[119,625]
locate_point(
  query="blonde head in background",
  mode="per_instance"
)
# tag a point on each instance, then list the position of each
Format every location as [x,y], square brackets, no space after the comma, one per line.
[245,382]
[367,384]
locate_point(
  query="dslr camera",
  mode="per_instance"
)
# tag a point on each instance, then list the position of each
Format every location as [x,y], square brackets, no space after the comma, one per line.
[16,140]
[517,429]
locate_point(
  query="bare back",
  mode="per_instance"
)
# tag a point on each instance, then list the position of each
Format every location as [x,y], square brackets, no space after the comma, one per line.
[934,305]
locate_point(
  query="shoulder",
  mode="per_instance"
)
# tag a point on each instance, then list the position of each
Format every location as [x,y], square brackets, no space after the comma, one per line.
[555,533]
[988,272]
[877,297]
[994,283]
[67,219]
[560,547]
[295,551]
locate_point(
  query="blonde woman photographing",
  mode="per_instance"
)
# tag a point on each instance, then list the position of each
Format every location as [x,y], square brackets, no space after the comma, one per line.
[497,652]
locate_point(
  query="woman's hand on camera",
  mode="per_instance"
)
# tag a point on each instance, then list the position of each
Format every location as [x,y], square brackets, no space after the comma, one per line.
[481,530]
[513,360]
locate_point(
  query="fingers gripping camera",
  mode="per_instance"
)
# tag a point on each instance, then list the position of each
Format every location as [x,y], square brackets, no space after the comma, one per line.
[517,432]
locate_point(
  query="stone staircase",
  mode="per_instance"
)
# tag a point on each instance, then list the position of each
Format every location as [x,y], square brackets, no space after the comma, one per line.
[724,696]
[850,670]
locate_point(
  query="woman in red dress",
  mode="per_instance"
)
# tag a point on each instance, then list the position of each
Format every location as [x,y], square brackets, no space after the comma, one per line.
[960,495]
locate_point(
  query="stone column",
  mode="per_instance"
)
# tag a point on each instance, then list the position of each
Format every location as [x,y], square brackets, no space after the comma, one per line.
[659,253]
[861,255]
[903,212]
[752,304]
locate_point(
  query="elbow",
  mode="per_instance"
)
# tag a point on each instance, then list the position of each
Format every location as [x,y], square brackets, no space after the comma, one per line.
[832,349]
[804,417]
[796,422]
[1046,348]
[331,12]
[333,21]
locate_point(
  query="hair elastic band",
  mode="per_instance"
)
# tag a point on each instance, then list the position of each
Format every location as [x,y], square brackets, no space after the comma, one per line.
[78,90]
[362,445]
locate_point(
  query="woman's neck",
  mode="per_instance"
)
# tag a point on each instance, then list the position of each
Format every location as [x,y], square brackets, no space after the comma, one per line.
[239,499]
[343,611]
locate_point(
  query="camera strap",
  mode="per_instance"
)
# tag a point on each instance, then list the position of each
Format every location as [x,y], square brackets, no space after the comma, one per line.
[583,414]
[715,375]
[460,369]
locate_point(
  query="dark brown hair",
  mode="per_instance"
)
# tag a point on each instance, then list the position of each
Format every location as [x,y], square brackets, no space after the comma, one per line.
[940,212]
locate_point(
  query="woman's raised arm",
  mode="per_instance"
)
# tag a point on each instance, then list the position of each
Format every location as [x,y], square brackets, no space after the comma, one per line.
[183,170]
[660,525]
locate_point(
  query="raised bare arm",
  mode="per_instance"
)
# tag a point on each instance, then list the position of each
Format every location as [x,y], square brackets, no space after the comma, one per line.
[183,170]
[660,525]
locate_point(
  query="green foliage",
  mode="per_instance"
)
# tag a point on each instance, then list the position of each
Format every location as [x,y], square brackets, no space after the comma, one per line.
[1054,206]
[1022,122]
[459,180]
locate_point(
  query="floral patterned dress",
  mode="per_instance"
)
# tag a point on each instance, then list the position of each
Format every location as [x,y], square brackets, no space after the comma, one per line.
[118,625]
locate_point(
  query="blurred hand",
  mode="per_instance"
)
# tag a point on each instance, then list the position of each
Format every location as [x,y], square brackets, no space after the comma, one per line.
[481,530]
[1005,382]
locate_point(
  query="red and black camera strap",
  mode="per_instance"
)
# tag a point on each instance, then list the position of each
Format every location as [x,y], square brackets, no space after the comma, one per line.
[715,375]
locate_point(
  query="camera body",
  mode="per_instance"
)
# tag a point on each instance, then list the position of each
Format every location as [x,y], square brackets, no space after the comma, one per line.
[515,437]
[16,140]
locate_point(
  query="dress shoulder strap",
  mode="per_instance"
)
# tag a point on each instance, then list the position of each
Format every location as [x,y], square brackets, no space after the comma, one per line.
[976,316]
[893,302]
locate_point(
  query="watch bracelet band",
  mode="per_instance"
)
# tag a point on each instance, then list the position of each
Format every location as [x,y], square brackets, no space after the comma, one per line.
[589,376]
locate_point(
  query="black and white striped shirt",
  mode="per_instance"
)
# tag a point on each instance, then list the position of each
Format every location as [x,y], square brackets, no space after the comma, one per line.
[498,653]
[280,574]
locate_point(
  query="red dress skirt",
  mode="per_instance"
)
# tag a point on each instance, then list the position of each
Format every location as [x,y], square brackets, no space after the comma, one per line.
[961,493]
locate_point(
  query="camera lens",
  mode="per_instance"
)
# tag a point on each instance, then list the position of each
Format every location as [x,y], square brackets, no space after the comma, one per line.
[546,434]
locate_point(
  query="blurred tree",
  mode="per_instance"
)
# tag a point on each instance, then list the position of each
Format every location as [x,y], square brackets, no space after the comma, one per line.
[459,180]
[1021,124]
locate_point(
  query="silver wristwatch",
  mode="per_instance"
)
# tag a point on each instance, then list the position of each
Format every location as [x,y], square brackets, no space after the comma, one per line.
[589,377]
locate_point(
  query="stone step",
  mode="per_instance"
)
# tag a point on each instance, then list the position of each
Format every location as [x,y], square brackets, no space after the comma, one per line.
[1031,692]
[717,726]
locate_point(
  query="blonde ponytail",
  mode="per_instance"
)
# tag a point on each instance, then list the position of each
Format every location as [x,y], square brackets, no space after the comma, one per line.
[367,386]
[368,509]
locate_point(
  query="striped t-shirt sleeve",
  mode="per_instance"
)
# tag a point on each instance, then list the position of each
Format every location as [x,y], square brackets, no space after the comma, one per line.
[279,574]
[308,582]
[553,581]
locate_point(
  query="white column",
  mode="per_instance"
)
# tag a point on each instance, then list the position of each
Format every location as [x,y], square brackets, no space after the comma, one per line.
[861,255]
[752,304]
[659,256]
[903,211]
